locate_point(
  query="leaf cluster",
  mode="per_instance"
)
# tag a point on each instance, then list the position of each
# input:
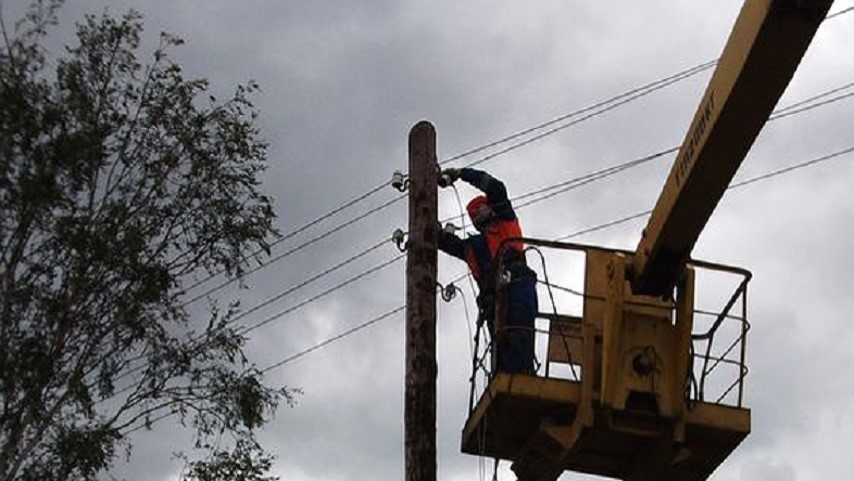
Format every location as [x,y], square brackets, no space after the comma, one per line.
[121,181]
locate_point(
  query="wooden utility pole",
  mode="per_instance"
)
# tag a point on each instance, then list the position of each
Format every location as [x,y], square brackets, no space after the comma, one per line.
[420,397]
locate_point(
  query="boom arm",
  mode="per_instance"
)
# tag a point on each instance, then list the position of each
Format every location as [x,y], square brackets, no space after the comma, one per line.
[763,51]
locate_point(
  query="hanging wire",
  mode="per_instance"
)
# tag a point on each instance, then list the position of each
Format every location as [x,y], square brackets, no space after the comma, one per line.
[325,343]
[579,120]
[298,248]
[599,227]
[841,12]
[296,231]
[561,187]
[325,293]
[677,77]
[644,213]
[623,99]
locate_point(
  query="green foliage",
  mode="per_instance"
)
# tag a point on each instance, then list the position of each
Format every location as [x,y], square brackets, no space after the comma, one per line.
[246,462]
[121,181]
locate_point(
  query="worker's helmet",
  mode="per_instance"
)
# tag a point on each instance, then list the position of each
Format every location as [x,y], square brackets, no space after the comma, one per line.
[479,216]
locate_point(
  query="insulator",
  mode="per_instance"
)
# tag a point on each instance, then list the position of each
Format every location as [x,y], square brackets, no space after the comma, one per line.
[449,292]
[398,237]
[399,181]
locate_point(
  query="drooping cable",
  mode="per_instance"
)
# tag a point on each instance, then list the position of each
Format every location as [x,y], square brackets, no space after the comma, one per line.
[298,230]
[575,234]
[678,75]
[298,248]
[564,186]
[578,233]
[841,12]
[342,335]
[309,280]
[560,188]
[736,185]
[577,182]
[325,293]
[615,101]
[559,128]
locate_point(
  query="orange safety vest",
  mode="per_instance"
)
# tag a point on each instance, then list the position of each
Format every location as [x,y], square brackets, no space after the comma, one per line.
[482,249]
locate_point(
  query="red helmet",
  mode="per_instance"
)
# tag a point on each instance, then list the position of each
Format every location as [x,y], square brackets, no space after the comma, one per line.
[474,204]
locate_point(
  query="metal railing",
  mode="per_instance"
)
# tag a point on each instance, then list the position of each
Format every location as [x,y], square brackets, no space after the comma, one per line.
[707,376]
[710,360]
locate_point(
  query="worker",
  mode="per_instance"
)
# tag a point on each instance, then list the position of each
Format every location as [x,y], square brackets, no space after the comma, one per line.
[495,221]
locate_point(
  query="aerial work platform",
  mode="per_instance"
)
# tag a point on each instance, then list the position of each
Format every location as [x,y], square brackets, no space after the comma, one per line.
[644,400]
[634,403]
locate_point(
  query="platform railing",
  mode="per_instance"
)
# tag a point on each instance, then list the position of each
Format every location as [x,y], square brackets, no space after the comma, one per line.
[712,360]
[708,377]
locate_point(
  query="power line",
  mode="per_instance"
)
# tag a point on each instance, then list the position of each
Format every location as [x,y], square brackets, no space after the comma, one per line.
[605,225]
[591,177]
[679,76]
[812,99]
[791,168]
[550,191]
[584,118]
[298,248]
[574,234]
[614,102]
[841,12]
[334,338]
[293,308]
[321,295]
[308,281]
[564,187]
[810,107]
[632,94]
[297,231]
[732,186]
[588,178]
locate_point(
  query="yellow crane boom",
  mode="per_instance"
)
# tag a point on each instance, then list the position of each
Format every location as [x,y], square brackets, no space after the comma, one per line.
[763,51]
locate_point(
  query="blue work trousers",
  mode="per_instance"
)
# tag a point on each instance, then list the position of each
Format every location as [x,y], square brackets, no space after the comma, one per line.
[515,344]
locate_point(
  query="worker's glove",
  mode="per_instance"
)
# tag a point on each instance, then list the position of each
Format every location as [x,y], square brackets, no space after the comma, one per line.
[448,177]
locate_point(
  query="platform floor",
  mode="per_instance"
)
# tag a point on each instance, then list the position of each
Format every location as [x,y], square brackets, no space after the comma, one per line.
[508,417]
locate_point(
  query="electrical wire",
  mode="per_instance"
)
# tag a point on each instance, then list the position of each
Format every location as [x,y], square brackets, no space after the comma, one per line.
[514,136]
[615,101]
[841,12]
[342,335]
[297,248]
[791,168]
[623,98]
[567,185]
[732,186]
[321,295]
[588,178]
[812,99]
[298,230]
[582,119]
[659,84]
[562,187]
[282,294]
[309,280]
[574,234]
[810,107]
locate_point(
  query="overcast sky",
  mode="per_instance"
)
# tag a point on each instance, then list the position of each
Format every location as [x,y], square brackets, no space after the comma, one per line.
[342,84]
